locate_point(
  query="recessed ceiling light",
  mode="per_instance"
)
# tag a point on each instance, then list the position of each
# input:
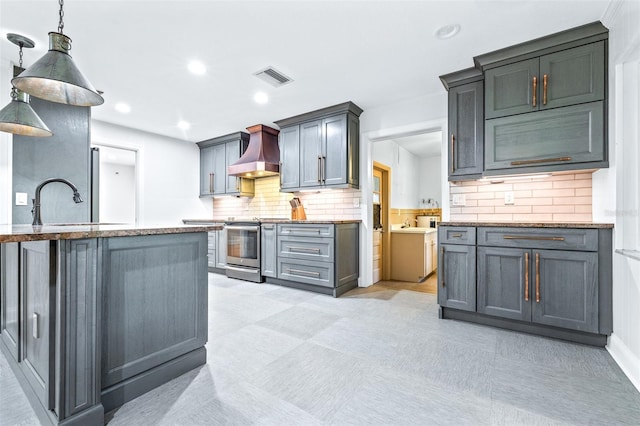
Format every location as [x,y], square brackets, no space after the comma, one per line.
[184,125]
[197,68]
[261,98]
[447,31]
[123,108]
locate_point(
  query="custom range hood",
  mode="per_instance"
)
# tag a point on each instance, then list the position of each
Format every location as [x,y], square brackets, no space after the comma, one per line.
[262,157]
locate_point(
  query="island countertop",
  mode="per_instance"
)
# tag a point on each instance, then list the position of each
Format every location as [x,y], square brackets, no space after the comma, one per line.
[586,225]
[21,233]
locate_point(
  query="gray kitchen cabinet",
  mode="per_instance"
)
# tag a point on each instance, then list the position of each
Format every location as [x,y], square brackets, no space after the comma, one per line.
[10,298]
[466,124]
[221,250]
[326,143]
[212,245]
[215,155]
[268,250]
[289,142]
[321,257]
[568,77]
[457,277]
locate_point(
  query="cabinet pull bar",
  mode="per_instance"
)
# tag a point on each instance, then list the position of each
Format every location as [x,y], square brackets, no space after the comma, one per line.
[544,89]
[305,249]
[238,184]
[314,230]
[456,235]
[300,271]
[324,169]
[442,269]
[526,277]
[211,182]
[36,329]
[319,169]
[453,153]
[535,91]
[537,277]
[280,173]
[541,160]
[532,237]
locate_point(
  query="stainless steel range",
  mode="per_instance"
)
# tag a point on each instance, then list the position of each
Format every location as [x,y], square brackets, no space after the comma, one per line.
[243,250]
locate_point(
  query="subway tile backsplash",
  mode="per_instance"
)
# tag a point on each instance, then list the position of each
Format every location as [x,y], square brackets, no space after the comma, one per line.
[335,204]
[558,198]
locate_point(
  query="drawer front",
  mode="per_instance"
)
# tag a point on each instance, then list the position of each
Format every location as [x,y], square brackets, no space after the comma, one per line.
[306,230]
[542,238]
[317,249]
[306,271]
[457,235]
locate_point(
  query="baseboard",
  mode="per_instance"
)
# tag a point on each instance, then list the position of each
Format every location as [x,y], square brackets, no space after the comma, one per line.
[626,360]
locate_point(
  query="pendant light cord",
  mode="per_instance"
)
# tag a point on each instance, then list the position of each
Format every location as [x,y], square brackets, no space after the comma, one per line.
[14,91]
[61,13]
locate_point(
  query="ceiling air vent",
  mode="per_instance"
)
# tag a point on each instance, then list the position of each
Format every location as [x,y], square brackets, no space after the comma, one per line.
[273,77]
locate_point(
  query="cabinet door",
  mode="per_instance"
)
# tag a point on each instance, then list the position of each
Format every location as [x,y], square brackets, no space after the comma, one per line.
[334,161]
[219,174]
[212,247]
[221,249]
[268,249]
[310,153]
[572,76]
[466,130]
[504,282]
[510,89]
[565,292]
[570,135]
[457,277]
[206,171]
[289,140]
[232,152]
[37,335]
[10,297]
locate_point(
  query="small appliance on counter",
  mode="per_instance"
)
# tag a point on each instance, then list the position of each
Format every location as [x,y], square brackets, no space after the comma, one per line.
[428,221]
[297,209]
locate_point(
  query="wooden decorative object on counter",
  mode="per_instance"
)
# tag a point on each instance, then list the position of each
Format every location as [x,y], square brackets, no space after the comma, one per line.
[297,213]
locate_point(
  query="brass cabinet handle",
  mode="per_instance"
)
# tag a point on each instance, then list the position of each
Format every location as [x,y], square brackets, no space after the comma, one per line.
[280,172]
[211,182]
[443,268]
[541,160]
[453,153]
[324,169]
[305,249]
[526,276]
[456,235]
[537,277]
[319,168]
[300,271]
[532,237]
[238,184]
[535,91]
[544,89]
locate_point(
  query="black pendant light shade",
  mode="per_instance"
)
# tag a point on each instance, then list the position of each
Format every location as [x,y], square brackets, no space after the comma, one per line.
[55,77]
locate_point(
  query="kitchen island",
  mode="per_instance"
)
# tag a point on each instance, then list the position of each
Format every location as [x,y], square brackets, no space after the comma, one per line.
[92,316]
[413,253]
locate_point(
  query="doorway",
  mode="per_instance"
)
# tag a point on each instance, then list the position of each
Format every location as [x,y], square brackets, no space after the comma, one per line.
[381,239]
[116,184]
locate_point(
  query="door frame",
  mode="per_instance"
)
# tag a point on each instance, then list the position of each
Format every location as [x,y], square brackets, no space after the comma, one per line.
[385,213]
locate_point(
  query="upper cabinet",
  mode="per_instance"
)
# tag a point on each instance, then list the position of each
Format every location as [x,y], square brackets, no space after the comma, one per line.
[215,155]
[545,106]
[466,124]
[320,149]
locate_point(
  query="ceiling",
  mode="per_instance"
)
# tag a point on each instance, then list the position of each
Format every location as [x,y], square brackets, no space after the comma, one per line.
[373,53]
[422,145]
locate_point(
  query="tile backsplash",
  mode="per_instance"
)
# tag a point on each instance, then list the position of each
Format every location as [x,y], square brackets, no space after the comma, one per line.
[557,198]
[334,204]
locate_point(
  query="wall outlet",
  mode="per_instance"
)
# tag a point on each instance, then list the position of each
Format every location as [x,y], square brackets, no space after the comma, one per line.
[21,199]
[508,197]
[458,200]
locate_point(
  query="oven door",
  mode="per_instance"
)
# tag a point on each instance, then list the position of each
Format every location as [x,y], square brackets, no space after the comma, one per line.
[243,245]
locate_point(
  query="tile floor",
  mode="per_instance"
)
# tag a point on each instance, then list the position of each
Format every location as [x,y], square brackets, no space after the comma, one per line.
[375,356]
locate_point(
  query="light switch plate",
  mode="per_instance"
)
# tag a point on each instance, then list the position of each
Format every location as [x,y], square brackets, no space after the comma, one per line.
[508,197]
[458,200]
[21,199]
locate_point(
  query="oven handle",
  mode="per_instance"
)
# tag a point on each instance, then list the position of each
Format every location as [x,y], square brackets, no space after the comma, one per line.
[242,228]
[250,270]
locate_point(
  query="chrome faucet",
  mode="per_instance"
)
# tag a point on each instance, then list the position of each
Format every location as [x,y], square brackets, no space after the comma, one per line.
[37,221]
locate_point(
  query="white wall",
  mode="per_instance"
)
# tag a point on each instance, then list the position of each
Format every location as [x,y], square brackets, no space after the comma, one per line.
[405,171]
[6,151]
[168,170]
[622,19]
[430,178]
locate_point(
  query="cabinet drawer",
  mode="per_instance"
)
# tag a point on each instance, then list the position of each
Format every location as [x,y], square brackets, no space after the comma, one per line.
[306,230]
[457,235]
[542,238]
[306,271]
[318,249]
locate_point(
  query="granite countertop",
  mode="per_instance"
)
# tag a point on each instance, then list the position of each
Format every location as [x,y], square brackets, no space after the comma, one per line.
[20,233]
[532,225]
[271,220]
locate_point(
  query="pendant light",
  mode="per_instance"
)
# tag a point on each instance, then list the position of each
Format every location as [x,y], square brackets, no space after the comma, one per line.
[18,117]
[55,77]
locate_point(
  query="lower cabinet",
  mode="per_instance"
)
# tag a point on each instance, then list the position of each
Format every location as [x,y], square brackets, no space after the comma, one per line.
[550,281]
[221,250]
[268,250]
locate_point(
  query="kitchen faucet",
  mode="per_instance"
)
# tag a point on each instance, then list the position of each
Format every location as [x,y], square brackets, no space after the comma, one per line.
[37,221]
